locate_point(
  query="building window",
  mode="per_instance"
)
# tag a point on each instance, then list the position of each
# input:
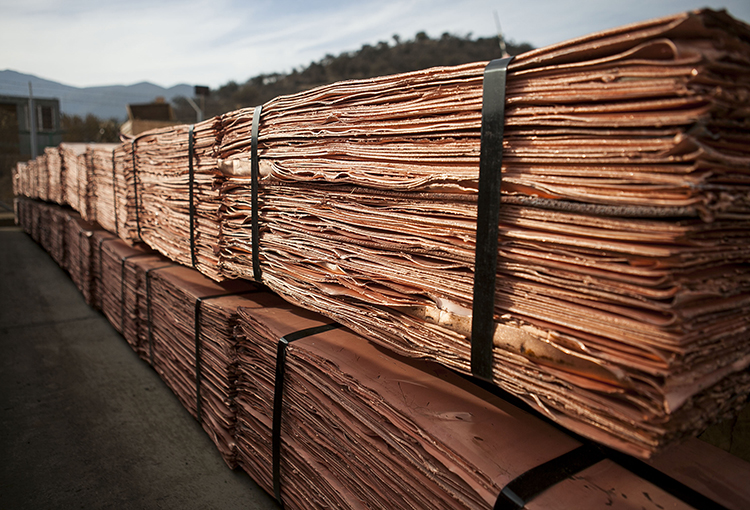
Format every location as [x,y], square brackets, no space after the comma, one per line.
[45,118]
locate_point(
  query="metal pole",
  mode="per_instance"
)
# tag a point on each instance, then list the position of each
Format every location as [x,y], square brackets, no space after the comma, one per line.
[32,123]
[198,111]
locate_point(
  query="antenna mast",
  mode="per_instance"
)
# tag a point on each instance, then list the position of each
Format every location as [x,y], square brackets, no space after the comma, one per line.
[503,50]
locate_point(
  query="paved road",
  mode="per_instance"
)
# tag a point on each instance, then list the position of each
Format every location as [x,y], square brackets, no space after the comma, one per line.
[84,423]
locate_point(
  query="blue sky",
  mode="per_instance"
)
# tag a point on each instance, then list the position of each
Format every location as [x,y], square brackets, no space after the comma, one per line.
[104,42]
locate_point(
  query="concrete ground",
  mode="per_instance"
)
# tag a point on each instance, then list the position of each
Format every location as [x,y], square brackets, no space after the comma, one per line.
[84,423]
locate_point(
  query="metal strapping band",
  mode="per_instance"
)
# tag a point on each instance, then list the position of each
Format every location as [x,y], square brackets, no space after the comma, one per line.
[197,330]
[114,192]
[488,213]
[255,174]
[148,310]
[526,486]
[278,396]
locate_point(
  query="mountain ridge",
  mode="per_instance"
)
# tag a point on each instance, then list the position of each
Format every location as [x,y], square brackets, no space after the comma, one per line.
[104,101]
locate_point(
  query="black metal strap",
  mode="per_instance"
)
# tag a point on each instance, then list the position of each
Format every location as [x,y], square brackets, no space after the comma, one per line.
[637,467]
[135,190]
[488,214]
[526,486]
[255,173]
[148,310]
[665,482]
[78,185]
[114,192]
[197,330]
[122,288]
[278,396]
[191,208]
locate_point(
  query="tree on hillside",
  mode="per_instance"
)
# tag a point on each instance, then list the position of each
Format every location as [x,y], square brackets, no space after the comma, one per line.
[89,129]
[381,59]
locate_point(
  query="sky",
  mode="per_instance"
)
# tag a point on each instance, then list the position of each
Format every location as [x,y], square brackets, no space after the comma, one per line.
[212,42]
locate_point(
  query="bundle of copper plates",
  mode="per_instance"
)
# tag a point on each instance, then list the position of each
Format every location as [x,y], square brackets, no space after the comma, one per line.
[126,219]
[24,179]
[622,299]
[41,177]
[136,299]
[20,176]
[54,168]
[55,239]
[113,255]
[78,235]
[361,428]
[174,197]
[622,295]
[321,417]
[94,252]
[25,211]
[101,192]
[74,175]
[192,343]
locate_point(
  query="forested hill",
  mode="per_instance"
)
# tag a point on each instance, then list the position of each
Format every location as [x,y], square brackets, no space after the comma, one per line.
[382,59]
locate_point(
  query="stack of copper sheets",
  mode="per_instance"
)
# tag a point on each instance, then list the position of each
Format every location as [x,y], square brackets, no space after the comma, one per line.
[28,212]
[338,422]
[622,299]
[54,168]
[114,253]
[36,218]
[192,345]
[74,175]
[25,180]
[87,186]
[94,251]
[78,234]
[53,237]
[126,222]
[21,207]
[362,429]
[623,284]
[171,176]
[20,175]
[136,299]
[101,192]
[42,177]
